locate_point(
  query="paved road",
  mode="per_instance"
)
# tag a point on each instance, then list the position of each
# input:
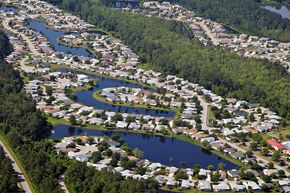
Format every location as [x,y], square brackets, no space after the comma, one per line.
[62,184]
[30,45]
[24,183]
[258,158]
[204,115]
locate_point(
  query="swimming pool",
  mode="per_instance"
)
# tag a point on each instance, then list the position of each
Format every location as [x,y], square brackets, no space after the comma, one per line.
[286,143]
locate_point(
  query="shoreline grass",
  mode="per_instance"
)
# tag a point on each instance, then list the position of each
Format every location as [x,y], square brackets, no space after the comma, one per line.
[182,137]
[98,97]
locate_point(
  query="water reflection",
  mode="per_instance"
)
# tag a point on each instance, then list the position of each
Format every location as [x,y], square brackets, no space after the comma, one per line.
[165,150]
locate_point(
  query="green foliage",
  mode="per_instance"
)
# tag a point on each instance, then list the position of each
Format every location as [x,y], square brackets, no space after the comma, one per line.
[8,177]
[138,153]
[180,174]
[164,47]
[96,157]
[245,15]
[27,130]
[83,179]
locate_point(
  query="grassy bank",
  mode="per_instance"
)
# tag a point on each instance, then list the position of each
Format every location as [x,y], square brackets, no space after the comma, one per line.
[182,137]
[56,66]
[98,97]
[18,162]
[187,139]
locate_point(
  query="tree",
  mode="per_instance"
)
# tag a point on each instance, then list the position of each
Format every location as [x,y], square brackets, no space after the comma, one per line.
[138,153]
[276,156]
[117,117]
[252,117]
[108,153]
[72,120]
[207,146]
[214,176]
[254,146]
[265,151]
[210,167]
[48,90]
[196,169]
[140,170]
[96,156]
[221,166]
[249,153]
[180,175]
[127,164]
[130,119]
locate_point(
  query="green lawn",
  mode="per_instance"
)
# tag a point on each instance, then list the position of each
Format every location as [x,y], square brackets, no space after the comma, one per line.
[210,116]
[56,66]
[98,97]
[182,137]
[186,138]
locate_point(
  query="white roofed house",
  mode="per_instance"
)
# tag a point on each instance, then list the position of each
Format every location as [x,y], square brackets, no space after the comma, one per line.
[121,125]
[221,187]
[204,186]
[236,187]
[80,156]
[252,186]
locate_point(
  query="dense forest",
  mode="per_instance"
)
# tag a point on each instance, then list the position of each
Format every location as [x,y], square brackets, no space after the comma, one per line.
[247,16]
[163,47]
[287,2]
[90,180]
[26,130]
[8,177]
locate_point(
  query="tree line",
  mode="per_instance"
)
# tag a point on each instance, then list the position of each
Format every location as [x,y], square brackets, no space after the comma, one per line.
[8,177]
[248,16]
[27,130]
[162,45]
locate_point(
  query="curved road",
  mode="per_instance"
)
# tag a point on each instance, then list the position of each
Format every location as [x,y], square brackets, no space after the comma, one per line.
[204,115]
[24,183]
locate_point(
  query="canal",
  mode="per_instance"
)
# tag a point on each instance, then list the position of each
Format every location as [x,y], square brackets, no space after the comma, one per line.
[86,97]
[281,10]
[156,148]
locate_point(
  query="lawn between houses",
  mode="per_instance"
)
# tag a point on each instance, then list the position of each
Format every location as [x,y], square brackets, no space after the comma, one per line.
[98,97]
[194,190]
[183,137]
[58,66]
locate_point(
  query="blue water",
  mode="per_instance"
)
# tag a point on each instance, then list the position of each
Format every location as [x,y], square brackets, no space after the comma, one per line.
[155,148]
[53,35]
[287,144]
[283,11]
[9,8]
[86,97]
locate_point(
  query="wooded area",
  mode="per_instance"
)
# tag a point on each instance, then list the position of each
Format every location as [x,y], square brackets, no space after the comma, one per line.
[247,16]
[162,45]
[27,131]
[8,177]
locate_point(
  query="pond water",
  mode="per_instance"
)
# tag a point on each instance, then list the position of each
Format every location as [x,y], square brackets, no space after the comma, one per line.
[86,97]
[8,8]
[53,35]
[155,148]
[282,10]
